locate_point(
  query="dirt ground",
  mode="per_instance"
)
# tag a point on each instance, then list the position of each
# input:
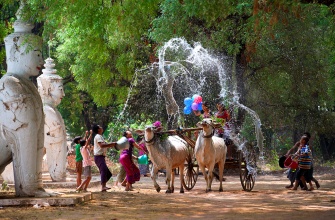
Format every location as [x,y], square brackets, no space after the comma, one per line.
[268,200]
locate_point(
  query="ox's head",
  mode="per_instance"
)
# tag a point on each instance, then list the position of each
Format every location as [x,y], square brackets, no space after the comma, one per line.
[207,126]
[149,132]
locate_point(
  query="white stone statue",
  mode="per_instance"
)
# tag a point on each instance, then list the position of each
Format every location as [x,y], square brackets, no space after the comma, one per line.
[21,111]
[50,87]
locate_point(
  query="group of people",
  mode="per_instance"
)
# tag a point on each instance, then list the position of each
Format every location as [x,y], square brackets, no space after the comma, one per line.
[303,174]
[221,113]
[129,172]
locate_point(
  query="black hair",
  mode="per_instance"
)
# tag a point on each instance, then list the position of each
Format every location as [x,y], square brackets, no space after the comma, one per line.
[307,134]
[124,134]
[221,104]
[82,143]
[76,140]
[205,103]
[95,128]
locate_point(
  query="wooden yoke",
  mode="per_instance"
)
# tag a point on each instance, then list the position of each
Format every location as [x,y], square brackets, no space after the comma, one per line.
[184,133]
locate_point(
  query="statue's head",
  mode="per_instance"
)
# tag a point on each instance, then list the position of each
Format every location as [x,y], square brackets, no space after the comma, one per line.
[23,49]
[50,85]
[51,90]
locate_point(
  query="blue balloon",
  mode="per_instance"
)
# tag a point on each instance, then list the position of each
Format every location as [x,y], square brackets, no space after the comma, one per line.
[200,106]
[188,101]
[187,110]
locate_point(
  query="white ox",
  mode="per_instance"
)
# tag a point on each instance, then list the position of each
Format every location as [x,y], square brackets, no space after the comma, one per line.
[165,153]
[208,151]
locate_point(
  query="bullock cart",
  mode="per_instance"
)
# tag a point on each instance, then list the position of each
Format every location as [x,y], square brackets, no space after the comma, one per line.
[242,159]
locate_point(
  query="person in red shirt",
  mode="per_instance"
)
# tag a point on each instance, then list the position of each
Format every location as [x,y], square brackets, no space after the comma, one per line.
[223,132]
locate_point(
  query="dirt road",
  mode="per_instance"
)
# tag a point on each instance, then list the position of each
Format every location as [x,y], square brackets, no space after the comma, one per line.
[268,200]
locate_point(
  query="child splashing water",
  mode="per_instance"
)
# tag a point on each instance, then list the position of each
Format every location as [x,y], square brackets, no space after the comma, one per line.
[304,156]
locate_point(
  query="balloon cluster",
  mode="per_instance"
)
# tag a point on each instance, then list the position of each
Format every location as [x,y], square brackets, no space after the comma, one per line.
[194,103]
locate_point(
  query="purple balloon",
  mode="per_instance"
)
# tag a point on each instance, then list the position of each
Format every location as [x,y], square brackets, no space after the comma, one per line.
[194,106]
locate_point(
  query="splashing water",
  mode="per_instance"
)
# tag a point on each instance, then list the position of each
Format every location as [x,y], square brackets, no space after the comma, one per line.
[178,59]
[180,64]
[259,137]
[131,87]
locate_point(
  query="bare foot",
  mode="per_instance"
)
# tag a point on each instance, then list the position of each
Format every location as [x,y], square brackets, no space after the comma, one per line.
[317,184]
[104,189]
[128,189]
[288,186]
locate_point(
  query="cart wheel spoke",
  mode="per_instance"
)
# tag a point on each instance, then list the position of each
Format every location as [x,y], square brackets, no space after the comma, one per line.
[247,180]
[190,178]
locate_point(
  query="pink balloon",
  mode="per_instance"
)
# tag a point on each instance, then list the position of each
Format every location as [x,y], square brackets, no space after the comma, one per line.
[198,99]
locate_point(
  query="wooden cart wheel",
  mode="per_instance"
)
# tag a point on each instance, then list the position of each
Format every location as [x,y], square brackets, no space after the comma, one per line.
[190,174]
[247,180]
[190,177]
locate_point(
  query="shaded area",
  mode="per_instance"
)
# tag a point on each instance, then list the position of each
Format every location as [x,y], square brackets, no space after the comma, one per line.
[268,200]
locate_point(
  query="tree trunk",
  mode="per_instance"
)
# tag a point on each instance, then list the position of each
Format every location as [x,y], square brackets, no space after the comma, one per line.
[324,144]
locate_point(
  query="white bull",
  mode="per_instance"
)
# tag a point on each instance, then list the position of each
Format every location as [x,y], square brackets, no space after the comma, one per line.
[165,153]
[210,150]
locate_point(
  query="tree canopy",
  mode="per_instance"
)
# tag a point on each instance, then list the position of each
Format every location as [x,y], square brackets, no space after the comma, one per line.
[279,57]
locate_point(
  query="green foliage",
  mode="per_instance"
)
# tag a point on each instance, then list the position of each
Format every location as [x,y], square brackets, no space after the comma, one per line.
[280,58]
[216,24]
[272,161]
[70,109]
[4,186]
[163,137]
[292,75]
[219,120]
[248,129]
[101,42]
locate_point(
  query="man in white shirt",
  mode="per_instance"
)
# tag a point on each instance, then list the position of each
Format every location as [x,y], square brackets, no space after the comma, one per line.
[99,156]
